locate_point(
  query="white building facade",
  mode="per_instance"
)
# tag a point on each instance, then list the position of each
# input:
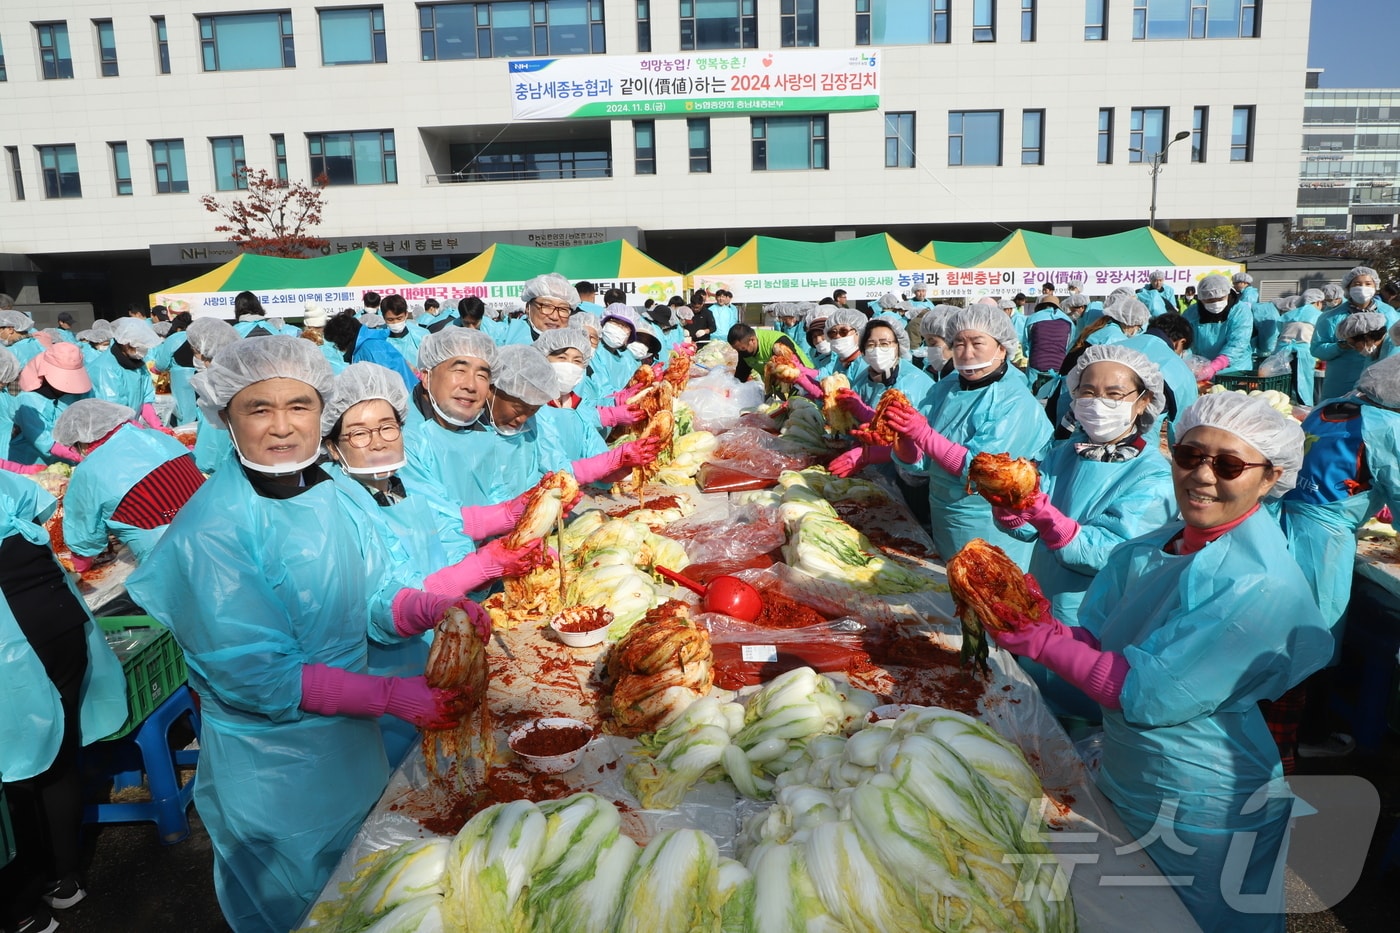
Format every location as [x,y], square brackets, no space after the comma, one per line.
[1349,181]
[992,114]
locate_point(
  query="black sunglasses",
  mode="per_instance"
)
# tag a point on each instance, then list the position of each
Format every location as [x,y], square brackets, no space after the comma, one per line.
[1225,466]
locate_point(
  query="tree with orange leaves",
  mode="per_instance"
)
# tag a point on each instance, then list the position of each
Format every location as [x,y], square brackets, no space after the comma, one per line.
[275,218]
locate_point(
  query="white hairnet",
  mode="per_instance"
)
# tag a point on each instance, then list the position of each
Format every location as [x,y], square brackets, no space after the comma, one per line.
[103,328]
[92,336]
[453,342]
[244,362]
[1244,277]
[846,317]
[1380,382]
[584,320]
[162,329]
[1077,301]
[361,382]
[524,372]
[207,335]
[1157,274]
[816,312]
[901,335]
[550,285]
[1277,436]
[552,341]
[134,332]
[88,420]
[1076,283]
[1290,303]
[9,367]
[1332,292]
[1312,296]
[935,323]
[1357,272]
[1362,322]
[371,319]
[1006,304]
[1146,370]
[889,300]
[987,320]
[1214,285]
[20,321]
[1130,312]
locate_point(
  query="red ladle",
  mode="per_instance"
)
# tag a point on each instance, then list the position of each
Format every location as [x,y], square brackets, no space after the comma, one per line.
[726,595]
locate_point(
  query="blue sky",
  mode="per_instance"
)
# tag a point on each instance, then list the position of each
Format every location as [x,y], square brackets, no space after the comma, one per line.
[1357,41]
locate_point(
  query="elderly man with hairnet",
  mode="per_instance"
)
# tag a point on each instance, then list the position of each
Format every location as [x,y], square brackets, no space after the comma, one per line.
[273,587]
[549,300]
[1346,355]
[1157,294]
[120,374]
[1181,634]
[130,483]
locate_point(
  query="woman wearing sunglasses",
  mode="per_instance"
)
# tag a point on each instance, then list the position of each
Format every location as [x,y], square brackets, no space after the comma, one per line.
[1182,633]
[1103,483]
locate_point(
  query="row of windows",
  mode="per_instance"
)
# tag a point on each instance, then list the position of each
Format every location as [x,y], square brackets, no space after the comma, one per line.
[1149,137]
[1345,196]
[355,158]
[521,28]
[1356,115]
[1350,142]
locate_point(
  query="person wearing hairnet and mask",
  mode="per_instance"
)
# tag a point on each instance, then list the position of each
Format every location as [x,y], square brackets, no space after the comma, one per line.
[1332,296]
[424,536]
[95,340]
[120,374]
[404,335]
[1222,332]
[613,363]
[1296,326]
[549,299]
[919,297]
[359,342]
[938,353]
[843,329]
[1157,294]
[1243,283]
[130,483]
[206,336]
[174,356]
[789,319]
[569,351]
[18,334]
[1103,483]
[273,584]
[48,384]
[884,346]
[1180,636]
[1158,342]
[987,408]
[1346,356]
[814,338]
[889,305]
[1123,318]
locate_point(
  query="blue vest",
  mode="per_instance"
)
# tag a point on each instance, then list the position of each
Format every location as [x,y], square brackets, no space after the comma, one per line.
[1335,466]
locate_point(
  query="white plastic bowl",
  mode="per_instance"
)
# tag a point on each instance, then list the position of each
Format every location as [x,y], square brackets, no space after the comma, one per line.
[550,764]
[580,639]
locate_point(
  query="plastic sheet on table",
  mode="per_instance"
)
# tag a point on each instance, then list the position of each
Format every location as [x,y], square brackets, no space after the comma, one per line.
[723,545]
[748,655]
[753,451]
[719,400]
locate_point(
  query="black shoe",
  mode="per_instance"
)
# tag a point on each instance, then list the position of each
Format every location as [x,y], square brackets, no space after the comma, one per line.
[41,921]
[60,895]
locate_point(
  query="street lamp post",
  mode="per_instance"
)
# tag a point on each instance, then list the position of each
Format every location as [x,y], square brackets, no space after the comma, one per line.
[1158,158]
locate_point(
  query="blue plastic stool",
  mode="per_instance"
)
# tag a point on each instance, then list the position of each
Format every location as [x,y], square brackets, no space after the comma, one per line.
[151,741]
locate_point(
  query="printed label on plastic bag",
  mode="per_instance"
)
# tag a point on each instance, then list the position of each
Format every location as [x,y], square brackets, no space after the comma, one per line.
[760,654]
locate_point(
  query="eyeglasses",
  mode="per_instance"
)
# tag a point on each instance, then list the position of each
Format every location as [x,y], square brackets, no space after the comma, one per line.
[1086,392]
[841,332]
[881,346]
[360,437]
[553,310]
[1224,466]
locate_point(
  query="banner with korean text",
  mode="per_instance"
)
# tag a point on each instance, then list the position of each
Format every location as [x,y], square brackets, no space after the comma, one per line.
[695,83]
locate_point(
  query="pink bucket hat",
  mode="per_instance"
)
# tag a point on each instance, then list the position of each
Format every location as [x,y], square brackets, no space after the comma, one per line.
[61,366]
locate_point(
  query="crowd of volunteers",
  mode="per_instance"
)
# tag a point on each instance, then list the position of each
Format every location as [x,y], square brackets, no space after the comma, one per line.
[351,479]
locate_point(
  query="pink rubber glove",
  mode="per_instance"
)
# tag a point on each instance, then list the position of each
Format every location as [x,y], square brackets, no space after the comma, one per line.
[1007,518]
[612,416]
[1030,640]
[854,459]
[332,691]
[853,404]
[915,427]
[1218,364]
[809,387]
[686,349]
[658,369]
[417,611]
[148,415]
[1056,528]
[25,468]
[1384,516]
[65,453]
[622,457]
[498,561]
[623,396]
[82,564]
[1100,674]
[480,522]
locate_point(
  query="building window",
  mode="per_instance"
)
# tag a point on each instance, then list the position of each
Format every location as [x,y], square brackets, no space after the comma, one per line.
[534,159]
[16,172]
[1200,120]
[247,41]
[279,154]
[510,29]
[168,157]
[974,137]
[941,31]
[1105,135]
[353,36]
[1027,20]
[1095,20]
[162,44]
[788,143]
[899,140]
[901,22]
[121,167]
[1147,133]
[2,62]
[1195,19]
[697,132]
[54,54]
[719,24]
[799,24]
[1242,135]
[643,25]
[1032,137]
[644,140]
[229,164]
[106,47]
[984,20]
[60,165]
[365,158]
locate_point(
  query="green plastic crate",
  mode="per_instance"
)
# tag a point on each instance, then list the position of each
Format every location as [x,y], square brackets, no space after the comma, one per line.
[7,833]
[152,661]
[1281,383]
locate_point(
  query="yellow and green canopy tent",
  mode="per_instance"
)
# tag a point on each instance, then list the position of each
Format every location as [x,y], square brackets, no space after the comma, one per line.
[285,285]
[957,254]
[717,258]
[497,275]
[772,269]
[1024,260]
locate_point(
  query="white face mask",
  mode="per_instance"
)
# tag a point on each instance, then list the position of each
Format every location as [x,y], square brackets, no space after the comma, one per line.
[974,371]
[568,374]
[1104,419]
[821,346]
[615,335]
[881,359]
[1213,304]
[275,469]
[373,472]
[844,346]
[1361,295]
[455,422]
[639,351]
[398,328]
